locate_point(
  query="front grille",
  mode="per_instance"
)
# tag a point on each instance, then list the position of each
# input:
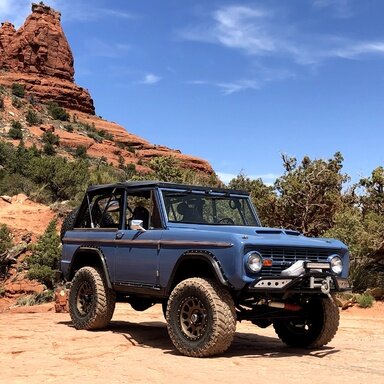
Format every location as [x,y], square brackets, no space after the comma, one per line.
[282,257]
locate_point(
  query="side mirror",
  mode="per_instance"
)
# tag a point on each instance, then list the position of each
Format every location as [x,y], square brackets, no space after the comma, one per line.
[137,225]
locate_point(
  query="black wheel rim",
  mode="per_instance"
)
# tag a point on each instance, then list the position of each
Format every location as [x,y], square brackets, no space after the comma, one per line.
[84,298]
[193,318]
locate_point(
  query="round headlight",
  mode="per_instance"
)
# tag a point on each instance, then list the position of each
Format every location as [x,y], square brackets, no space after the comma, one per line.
[254,261]
[336,264]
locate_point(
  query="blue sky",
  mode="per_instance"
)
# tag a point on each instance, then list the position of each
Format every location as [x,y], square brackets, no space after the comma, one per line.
[236,83]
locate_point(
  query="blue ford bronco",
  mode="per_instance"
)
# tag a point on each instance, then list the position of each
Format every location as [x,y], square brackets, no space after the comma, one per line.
[202,253]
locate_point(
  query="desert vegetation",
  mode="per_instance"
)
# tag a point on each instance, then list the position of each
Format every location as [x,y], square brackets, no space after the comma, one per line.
[316,198]
[313,196]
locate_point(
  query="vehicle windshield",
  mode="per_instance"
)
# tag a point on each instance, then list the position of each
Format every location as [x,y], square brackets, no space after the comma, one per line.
[208,208]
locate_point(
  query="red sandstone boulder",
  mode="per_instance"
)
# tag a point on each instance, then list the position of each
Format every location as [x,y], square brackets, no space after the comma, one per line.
[47,127]
[23,287]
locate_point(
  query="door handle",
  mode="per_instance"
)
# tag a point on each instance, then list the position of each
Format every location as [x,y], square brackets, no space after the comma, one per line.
[119,235]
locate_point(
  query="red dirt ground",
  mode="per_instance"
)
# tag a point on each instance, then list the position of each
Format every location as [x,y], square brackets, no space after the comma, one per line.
[43,347]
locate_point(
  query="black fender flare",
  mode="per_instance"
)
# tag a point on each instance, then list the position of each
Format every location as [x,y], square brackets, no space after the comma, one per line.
[100,256]
[204,255]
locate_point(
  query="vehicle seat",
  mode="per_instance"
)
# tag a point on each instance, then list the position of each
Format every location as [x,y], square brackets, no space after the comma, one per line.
[187,212]
[141,213]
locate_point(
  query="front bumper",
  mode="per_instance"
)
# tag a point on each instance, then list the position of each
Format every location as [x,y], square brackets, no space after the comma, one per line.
[308,282]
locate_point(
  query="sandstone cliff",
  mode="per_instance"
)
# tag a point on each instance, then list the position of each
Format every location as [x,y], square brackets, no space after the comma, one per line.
[38,55]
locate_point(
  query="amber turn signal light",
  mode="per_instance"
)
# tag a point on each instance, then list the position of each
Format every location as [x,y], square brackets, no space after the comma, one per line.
[267,263]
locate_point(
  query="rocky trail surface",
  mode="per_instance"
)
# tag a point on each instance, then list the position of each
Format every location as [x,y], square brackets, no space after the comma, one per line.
[22,215]
[45,348]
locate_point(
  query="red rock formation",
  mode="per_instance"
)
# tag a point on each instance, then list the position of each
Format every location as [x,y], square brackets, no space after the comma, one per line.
[144,150]
[38,55]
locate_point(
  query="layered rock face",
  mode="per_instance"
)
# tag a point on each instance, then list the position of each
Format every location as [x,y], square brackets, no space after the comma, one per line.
[39,56]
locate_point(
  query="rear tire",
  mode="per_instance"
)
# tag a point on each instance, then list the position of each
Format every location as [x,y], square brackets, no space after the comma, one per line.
[91,302]
[316,329]
[201,318]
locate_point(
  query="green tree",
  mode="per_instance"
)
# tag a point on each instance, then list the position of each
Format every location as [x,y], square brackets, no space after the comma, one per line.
[32,117]
[15,183]
[63,179]
[49,149]
[372,200]
[15,131]
[68,127]
[18,90]
[103,173]
[57,112]
[121,161]
[50,141]
[5,238]
[81,152]
[310,194]
[263,197]
[45,255]
[51,138]
[364,236]
[16,102]
[166,168]
[129,170]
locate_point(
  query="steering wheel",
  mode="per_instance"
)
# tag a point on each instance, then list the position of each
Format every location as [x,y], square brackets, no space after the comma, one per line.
[226,220]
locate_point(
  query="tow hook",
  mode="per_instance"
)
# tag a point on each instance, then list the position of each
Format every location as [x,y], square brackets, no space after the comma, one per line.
[323,284]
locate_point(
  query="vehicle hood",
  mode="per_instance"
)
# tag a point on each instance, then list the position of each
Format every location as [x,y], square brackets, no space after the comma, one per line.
[262,236]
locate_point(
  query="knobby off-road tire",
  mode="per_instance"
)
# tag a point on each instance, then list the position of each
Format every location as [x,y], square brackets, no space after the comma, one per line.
[316,330]
[91,302]
[201,318]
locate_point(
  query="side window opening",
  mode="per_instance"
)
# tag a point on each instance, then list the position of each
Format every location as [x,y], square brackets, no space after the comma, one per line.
[142,205]
[102,211]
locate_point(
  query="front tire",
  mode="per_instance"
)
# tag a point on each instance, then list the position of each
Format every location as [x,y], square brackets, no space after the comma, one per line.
[91,302]
[201,318]
[315,329]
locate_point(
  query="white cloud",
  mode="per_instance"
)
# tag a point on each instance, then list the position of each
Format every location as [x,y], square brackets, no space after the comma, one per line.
[198,82]
[244,28]
[150,79]
[340,8]
[359,49]
[262,33]
[228,88]
[264,75]
[236,27]
[116,13]
[237,86]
